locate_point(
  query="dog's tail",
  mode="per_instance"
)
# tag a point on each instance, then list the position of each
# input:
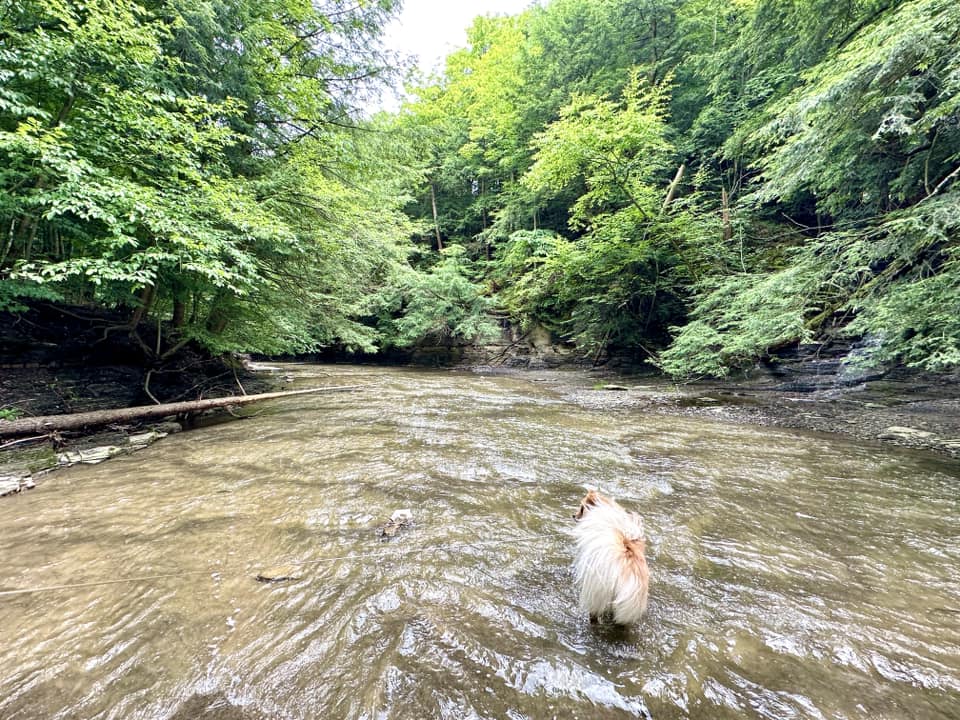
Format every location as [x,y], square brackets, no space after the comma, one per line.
[630,601]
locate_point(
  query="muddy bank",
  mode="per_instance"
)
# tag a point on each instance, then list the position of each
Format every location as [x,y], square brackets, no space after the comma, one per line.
[70,359]
[65,359]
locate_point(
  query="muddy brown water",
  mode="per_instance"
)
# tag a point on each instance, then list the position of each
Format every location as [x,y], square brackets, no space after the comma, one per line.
[794,575]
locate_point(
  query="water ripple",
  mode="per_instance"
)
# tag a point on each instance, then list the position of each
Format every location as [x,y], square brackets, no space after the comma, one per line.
[794,575]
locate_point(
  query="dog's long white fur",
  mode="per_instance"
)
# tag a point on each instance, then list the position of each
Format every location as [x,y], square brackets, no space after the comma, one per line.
[606,569]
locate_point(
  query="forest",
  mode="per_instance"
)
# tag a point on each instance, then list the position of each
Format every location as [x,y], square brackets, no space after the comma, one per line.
[697,184]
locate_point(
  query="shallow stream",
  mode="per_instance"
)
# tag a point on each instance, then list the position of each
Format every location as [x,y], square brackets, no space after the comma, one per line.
[794,575]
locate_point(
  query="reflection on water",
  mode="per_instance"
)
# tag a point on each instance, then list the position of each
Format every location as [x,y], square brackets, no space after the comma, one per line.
[793,575]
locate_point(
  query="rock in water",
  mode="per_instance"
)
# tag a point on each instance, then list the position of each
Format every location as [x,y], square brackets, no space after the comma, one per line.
[398,520]
[402,516]
[904,433]
[141,440]
[387,530]
[9,485]
[278,573]
[90,456]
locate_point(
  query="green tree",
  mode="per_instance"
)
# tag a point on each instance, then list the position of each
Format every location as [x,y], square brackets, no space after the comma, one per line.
[867,145]
[441,305]
[619,282]
[197,161]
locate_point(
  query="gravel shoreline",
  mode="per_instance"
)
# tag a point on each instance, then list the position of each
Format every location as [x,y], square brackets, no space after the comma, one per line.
[903,409]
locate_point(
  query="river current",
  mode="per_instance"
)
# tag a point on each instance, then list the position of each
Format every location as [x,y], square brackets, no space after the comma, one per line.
[793,575]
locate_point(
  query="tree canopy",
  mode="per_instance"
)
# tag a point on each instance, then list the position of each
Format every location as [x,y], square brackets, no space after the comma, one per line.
[698,183]
[200,161]
[702,183]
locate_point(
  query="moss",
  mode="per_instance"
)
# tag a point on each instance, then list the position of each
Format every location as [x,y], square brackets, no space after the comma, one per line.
[27,460]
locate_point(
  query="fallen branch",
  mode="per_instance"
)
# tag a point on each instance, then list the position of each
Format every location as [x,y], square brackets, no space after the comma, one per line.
[243,390]
[80,421]
[146,388]
[5,445]
[943,182]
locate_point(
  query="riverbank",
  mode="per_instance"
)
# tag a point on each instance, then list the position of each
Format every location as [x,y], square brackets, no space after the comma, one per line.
[820,387]
[57,360]
[900,408]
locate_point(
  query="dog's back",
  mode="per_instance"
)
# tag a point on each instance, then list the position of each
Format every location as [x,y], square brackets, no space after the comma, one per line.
[611,566]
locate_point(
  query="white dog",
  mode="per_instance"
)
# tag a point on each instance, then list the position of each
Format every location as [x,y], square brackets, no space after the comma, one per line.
[611,566]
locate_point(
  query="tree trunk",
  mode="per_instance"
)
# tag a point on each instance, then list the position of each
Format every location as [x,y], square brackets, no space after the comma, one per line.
[146,300]
[216,325]
[218,318]
[727,227]
[436,220]
[79,421]
[181,295]
[673,187]
[179,312]
[6,249]
[483,206]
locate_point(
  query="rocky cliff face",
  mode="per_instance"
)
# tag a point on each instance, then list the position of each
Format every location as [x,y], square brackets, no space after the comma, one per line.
[531,349]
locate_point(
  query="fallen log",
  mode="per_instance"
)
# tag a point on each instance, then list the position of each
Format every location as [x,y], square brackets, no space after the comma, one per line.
[80,421]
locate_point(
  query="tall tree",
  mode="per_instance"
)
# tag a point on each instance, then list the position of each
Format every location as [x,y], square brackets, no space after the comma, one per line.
[193,160]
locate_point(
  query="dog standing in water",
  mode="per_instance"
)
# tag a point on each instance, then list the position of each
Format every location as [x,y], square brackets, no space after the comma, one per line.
[611,567]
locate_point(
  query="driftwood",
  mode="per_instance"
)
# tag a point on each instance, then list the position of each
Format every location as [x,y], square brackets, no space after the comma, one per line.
[79,421]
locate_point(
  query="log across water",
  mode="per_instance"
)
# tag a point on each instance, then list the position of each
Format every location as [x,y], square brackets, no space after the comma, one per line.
[99,418]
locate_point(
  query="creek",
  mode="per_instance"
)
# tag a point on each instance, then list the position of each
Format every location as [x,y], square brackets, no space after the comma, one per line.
[793,574]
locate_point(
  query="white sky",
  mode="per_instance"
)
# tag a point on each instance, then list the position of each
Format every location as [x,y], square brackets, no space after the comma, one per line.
[432,29]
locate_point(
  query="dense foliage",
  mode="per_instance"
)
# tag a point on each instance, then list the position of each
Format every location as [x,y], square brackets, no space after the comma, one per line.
[698,183]
[198,162]
[818,149]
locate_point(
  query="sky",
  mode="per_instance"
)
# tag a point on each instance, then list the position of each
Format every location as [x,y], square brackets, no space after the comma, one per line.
[432,29]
